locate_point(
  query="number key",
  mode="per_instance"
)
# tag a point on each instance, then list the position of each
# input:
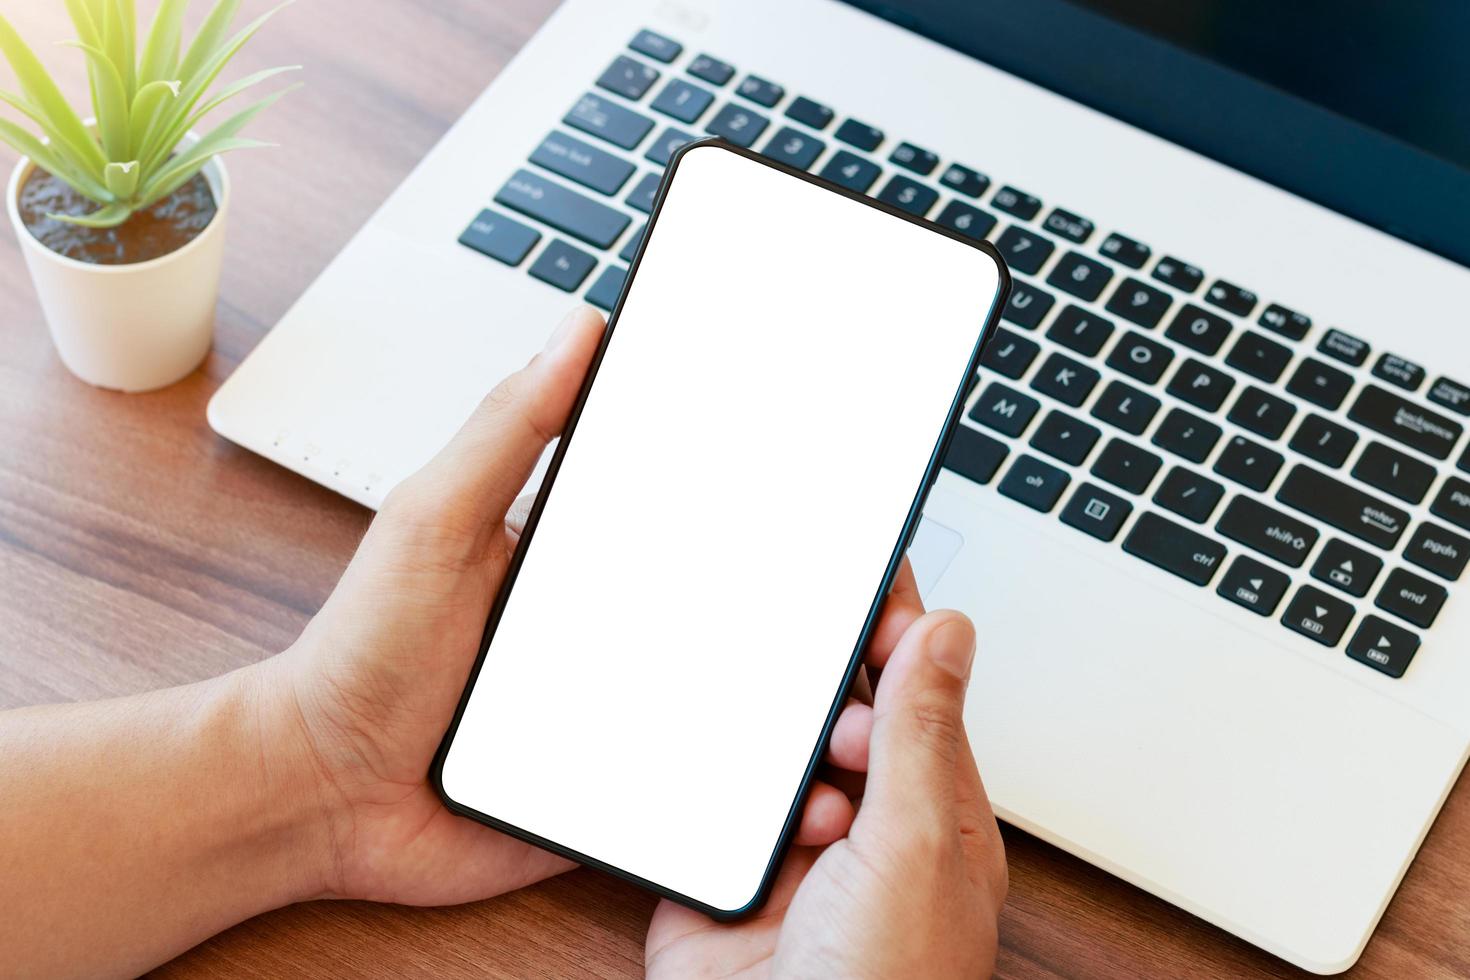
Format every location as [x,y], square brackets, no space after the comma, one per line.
[1080,276]
[1024,251]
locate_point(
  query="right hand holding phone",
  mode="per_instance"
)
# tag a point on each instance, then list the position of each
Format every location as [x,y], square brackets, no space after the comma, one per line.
[915,885]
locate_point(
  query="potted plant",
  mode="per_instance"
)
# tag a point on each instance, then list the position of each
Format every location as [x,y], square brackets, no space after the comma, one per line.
[121,216]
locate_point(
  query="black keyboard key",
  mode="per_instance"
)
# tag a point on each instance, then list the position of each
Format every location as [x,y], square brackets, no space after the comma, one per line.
[1188,494]
[1126,466]
[1452,395]
[1004,409]
[974,455]
[630,249]
[1347,567]
[1324,440]
[711,70]
[1399,371]
[682,100]
[656,46]
[606,289]
[1383,646]
[908,195]
[1068,225]
[500,237]
[1174,548]
[794,148]
[1231,298]
[1391,471]
[1411,597]
[859,134]
[1036,484]
[583,162]
[1453,502]
[1198,329]
[738,125]
[1319,383]
[1065,438]
[562,208]
[1028,305]
[1121,248]
[1140,357]
[661,150]
[915,158]
[1009,353]
[851,171]
[607,120]
[1317,615]
[760,91]
[1259,357]
[1343,506]
[562,265]
[1179,274]
[963,180]
[628,77]
[1080,276]
[809,113]
[1080,330]
[1249,463]
[1096,512]
[1016,202]
[1267,530]
[1139,302]
[1439,550]
[643,195]
[1024,251]
[1066,380]
[1398,418]
[966,219]
[1344,347]
[1259,411]
[1253,585]
[1187,435]
[1126,407]
[1288,323]
[1200,385]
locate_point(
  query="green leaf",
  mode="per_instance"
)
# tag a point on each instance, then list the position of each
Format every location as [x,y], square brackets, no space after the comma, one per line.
[122,179]
[81,16]
[161,50]
[112,101]
[211,33]
[45,158]
[108,216]
[115,48]
[181,172]
[146,103]
[235,88]
[72,136]
[195,156]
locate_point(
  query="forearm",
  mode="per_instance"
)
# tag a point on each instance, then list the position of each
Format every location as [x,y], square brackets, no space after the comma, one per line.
[130,830]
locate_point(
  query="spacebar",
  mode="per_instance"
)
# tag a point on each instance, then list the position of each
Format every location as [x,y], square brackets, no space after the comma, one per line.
[562,208]
[1344,507]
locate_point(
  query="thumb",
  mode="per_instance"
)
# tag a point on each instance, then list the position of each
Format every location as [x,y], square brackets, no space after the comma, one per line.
[492,456]
[918,719]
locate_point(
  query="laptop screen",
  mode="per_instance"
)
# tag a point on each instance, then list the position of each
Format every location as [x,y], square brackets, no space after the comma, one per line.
[1359,105]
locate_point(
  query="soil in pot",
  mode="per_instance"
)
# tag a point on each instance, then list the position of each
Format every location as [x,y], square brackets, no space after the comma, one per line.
[166,227]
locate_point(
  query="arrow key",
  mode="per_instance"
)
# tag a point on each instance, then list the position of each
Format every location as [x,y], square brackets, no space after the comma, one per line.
[1346,567]
[1255,586]
[1318,616]
[1383,646]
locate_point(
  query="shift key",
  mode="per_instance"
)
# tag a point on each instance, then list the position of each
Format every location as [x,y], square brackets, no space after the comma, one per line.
[1343,506]
[563,209]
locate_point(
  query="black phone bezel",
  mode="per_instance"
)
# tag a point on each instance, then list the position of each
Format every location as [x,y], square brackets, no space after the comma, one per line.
[911,524]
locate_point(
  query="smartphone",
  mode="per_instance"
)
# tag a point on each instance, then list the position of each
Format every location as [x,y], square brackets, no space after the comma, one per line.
[726,509]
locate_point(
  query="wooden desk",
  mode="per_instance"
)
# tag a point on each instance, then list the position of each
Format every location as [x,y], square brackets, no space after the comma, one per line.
[137,549]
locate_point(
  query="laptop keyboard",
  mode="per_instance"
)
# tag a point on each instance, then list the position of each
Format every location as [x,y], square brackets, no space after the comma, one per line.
[1137,397]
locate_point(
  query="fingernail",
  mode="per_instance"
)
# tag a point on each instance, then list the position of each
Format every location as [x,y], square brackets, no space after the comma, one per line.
[564,330]
[952,647]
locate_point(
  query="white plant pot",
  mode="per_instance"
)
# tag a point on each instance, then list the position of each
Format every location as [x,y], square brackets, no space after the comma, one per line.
[130,327]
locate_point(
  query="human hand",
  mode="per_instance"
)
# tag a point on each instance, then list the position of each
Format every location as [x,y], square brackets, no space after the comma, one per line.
[915,886]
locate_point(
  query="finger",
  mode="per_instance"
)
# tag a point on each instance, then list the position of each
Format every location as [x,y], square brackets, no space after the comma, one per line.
[849,747]
[490,459]
[903,606]
[519,513]
[826,818]
[918,720]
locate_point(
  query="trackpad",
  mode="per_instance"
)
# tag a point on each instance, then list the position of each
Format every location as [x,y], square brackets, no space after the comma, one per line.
[933,548]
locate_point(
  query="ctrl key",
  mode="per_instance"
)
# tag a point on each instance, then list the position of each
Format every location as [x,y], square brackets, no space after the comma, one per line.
[1317,616]
[1383,646]
[500,237]
[1174,548]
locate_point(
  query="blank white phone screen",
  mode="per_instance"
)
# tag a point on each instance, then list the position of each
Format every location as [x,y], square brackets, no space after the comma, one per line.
[778,377]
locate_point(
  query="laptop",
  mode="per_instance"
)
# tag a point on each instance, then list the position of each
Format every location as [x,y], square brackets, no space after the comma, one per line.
[1210,506]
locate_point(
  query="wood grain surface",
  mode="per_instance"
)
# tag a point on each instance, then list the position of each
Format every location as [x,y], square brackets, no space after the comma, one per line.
[138,550]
